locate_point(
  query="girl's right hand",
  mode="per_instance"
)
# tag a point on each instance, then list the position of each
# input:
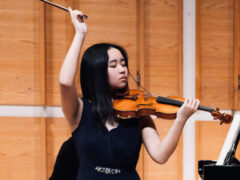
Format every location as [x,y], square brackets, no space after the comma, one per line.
[77,20]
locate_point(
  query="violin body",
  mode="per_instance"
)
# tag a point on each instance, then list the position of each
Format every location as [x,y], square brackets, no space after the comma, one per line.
[138,103]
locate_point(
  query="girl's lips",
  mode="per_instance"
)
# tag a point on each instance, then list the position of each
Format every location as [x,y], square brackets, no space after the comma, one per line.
[123,78]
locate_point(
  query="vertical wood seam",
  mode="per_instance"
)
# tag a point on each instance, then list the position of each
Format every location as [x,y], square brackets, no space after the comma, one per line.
[197,49]
[141,54]
[43,126]
[141,42]
[235,54]
[42,56]
[180,58]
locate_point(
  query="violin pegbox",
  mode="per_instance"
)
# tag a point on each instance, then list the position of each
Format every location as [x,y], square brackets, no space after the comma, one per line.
[223,117]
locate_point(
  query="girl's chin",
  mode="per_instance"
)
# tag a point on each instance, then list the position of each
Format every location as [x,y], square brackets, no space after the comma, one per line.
[120,87]
[124,85]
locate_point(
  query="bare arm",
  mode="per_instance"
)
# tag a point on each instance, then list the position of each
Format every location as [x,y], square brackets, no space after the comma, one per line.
[159,150]
[72,106]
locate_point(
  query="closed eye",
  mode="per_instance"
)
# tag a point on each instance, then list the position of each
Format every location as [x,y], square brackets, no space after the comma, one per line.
[113,64]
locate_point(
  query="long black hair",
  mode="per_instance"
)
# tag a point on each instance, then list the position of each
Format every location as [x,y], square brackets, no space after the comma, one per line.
[94,81]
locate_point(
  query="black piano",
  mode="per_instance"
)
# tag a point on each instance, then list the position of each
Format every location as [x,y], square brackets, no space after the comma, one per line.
[230,170]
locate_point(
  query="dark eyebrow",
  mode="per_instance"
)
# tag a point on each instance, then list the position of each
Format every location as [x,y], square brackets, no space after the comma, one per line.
[114,60]
[111,61]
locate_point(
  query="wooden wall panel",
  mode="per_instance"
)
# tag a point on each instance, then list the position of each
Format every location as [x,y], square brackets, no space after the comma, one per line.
[20,154]
[238,25]
[163,44]
[58,131]
[173,168]
[215,23]
[57,44]
[210,137]
[19,61]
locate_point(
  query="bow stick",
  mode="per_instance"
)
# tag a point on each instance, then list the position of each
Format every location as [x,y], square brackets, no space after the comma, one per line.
[60,7]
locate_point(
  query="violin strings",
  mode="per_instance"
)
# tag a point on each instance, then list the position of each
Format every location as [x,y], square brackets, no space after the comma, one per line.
[137,82]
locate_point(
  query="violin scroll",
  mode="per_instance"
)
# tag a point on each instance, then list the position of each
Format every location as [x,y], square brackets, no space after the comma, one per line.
[224,118]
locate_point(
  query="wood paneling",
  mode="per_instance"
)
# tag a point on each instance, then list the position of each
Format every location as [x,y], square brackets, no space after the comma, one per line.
[19,61]
[235,54]
[215,51]
[238,28]
[42,58]
[57,44]
[163,44]
[20,149]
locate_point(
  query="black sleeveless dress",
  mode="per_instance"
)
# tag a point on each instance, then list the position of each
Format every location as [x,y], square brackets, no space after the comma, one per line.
[103,154]
[66,165]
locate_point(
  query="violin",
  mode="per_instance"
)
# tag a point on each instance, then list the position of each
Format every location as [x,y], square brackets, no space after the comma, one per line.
[137,103]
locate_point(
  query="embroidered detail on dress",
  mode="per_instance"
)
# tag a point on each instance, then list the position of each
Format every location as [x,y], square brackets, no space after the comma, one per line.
[107,170]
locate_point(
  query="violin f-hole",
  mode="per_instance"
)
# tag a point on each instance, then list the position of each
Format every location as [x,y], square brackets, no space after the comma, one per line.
[138,105]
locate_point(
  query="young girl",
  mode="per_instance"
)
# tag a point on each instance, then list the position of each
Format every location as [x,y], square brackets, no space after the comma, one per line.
[108,147]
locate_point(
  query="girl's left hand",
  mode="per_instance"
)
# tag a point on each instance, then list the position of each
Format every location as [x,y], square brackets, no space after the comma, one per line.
[188,108]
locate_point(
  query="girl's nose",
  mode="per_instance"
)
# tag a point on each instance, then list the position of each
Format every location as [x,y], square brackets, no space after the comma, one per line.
[121,69]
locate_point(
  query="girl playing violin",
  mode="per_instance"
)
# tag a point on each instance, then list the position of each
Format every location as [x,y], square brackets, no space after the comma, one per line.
[106,146]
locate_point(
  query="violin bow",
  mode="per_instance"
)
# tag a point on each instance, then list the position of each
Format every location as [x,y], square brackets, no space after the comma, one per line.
[60,7]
